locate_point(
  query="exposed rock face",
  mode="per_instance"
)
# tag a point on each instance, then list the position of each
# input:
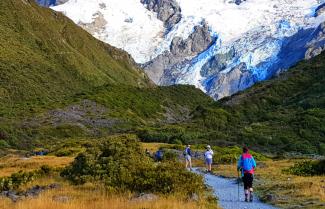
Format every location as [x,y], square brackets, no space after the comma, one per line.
[180,53]
[167,11]
[220,46]
[97,25]
[58,2]
[317,45]
[236,80]
[87,115]
[238,2]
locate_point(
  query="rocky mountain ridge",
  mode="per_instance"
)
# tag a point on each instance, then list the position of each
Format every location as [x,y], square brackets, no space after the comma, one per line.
[220,47]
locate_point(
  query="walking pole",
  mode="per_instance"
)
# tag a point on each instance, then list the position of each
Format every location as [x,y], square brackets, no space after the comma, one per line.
[238,185]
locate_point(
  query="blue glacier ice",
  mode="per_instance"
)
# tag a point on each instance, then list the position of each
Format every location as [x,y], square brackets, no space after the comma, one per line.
[251,40]
[258,55]
[46,3]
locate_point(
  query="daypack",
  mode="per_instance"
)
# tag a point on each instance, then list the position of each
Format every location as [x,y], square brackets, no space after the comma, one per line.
[185,152]
[247,163]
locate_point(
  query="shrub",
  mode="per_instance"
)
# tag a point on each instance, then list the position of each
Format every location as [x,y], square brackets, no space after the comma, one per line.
[3,143]
[121,165]
[307,168]
[231,154]
[170,155]
[18,179]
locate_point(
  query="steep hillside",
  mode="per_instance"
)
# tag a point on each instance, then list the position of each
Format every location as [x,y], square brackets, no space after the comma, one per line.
[285,114]
[57,82]
[45,57]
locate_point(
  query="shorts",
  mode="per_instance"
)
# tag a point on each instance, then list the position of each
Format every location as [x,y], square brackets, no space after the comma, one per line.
[208,161]
[188,158]
[248,180]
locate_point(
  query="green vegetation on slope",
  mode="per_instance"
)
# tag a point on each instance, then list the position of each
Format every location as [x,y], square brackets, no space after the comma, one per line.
[285,114]
[307,168]
[58,82]
[100,112]
[45,57]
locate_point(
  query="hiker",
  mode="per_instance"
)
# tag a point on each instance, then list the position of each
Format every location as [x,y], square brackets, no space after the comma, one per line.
[246,164]
[159,155]
[208,155]
[188,155]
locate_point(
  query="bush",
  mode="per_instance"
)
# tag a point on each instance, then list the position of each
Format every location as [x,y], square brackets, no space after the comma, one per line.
[3,144]
[18,179]
[307,168]
[121,165]
[170,155]
[231,154]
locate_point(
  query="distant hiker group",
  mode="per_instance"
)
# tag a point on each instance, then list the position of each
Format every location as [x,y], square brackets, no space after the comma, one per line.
[208,157]
[245,167]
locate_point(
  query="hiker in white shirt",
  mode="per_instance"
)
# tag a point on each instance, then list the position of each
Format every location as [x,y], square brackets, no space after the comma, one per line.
[208,155]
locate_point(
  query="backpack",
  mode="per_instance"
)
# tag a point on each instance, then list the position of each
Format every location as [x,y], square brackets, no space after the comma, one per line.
[185,152]
[247,162]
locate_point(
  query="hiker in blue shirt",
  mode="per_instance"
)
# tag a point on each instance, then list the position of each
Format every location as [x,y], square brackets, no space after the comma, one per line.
[246,164]
[188,157]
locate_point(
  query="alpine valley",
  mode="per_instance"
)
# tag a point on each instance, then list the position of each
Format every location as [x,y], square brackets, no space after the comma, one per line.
[98,99]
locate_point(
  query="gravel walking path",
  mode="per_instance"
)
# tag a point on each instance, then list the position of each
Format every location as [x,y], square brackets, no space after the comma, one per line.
[226,189]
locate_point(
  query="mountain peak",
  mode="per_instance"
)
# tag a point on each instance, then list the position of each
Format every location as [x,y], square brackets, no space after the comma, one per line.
[223,46]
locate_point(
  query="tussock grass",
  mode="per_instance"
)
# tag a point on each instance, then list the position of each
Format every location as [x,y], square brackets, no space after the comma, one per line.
[12,164]
[90,196]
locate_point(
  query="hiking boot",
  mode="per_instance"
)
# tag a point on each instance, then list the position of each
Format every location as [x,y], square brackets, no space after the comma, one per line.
[246,200]
[251,197]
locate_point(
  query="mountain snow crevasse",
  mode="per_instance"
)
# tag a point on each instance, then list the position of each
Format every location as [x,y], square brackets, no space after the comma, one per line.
[250,40]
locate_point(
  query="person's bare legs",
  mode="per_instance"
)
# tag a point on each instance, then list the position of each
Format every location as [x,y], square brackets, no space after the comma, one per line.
[251,194]
[190,163]
[210,169]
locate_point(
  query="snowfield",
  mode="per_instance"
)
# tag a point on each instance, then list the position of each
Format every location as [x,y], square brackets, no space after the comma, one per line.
[130,26]
[259,34]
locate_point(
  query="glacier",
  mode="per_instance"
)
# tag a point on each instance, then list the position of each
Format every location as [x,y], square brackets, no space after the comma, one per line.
[220,46]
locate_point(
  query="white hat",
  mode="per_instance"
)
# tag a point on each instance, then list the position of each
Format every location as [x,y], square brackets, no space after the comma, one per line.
[208,146]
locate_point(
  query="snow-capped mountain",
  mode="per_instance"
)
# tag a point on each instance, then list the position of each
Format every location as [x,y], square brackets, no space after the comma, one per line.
[220,46]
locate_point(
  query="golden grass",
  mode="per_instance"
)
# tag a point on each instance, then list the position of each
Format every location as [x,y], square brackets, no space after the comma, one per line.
[88,196]
[153,147]
[12,164]
[92,197]
[290,189]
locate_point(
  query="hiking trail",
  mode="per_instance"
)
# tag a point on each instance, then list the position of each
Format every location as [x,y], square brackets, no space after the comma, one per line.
[226,189]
